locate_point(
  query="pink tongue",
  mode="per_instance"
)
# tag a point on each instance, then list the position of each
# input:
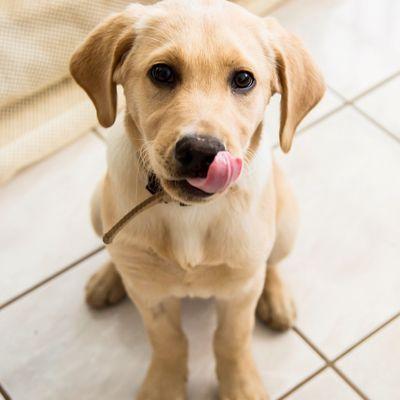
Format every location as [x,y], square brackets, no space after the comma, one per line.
[222,172]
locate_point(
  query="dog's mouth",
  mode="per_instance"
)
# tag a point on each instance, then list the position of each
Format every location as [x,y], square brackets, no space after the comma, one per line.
[186,190]
[222,172]
[180,189]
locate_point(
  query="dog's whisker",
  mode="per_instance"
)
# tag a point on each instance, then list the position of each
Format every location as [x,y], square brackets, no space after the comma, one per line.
[143,154]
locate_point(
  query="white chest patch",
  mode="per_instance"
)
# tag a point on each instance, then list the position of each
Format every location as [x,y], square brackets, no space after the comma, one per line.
[188,232]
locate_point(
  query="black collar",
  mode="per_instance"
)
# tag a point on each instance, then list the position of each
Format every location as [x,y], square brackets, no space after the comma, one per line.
[153,186]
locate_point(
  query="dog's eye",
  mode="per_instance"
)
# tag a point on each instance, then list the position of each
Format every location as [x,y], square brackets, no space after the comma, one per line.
[242,81]
[162,73]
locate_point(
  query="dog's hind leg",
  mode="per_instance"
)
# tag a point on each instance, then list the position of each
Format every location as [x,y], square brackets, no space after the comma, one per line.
[105,287]
[275,306]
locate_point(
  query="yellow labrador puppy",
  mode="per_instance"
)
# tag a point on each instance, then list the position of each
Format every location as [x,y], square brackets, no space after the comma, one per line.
[197,77]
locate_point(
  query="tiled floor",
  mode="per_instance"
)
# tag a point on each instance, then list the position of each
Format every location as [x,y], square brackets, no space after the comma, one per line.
[345,270]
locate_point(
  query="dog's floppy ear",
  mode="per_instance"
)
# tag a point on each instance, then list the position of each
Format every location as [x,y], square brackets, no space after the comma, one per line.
[94,61]
[298,80]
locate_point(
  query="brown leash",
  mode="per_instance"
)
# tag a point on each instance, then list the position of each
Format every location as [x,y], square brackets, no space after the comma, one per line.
[151,201]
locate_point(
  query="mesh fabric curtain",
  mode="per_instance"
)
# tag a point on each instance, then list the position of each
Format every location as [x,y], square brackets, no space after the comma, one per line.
[41,108]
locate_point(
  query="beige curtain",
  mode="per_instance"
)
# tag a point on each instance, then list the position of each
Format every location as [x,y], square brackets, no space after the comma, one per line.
[41,108]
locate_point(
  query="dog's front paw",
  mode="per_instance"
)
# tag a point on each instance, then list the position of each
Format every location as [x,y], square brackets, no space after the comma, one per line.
[105,287]
[164,382]
[241,382]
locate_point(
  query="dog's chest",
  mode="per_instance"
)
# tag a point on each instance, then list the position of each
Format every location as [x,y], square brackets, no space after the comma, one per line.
[188,247]
[188,235]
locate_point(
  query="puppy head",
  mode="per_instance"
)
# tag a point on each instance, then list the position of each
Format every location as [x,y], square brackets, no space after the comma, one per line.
[197,76]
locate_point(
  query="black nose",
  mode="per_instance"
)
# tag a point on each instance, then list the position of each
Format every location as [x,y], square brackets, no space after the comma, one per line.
[195,153]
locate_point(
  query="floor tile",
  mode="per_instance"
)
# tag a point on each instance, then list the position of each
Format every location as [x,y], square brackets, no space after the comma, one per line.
[344,269]
[53,346]
[383,105]
[328,103]
[283,360]
[355,42]
[374,366]
[326,385]
[44,214]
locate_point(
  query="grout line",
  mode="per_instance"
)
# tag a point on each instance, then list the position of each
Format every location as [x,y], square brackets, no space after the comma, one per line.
[334,91]
[312,345]
[50,278]
[376,86]
[323,117]
[364,114]
[349,382]
[377,124]
[366,91]
[303,382]
[330,363]
[316,122]
[4,393]
[366,337]
[350,103]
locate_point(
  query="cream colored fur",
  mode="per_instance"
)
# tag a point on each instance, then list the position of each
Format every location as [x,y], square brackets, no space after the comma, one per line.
[227,246]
